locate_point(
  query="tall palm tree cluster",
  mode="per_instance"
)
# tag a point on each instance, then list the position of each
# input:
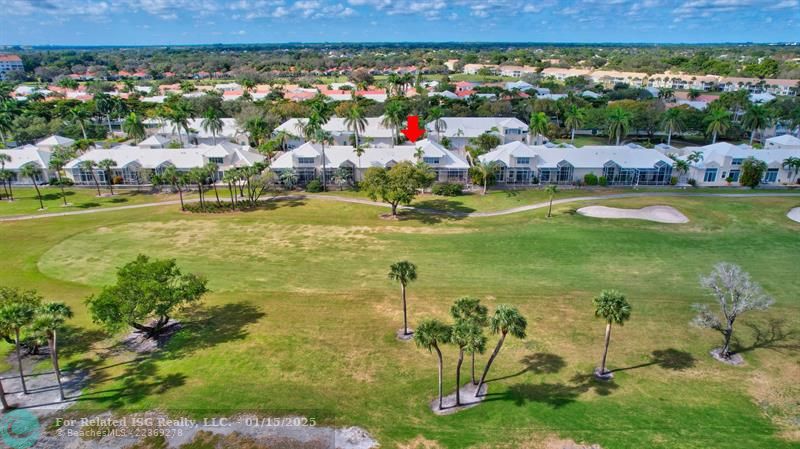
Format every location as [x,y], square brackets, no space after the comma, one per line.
[29,323]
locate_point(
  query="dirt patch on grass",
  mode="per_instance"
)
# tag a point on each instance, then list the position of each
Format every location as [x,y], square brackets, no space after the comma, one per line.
[420,442]
[136,341]
[468,400]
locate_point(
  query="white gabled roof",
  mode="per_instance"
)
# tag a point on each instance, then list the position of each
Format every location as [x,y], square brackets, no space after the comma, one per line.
[338,155]
[337,127]
[475,126]
[25,155]
[155,140]
[56,140]
[181,158]
[585,157]
[784,140]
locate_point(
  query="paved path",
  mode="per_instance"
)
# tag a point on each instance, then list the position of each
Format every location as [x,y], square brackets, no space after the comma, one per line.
[456,214]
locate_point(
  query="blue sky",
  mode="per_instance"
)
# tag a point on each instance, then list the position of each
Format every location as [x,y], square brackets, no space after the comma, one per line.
[146,22]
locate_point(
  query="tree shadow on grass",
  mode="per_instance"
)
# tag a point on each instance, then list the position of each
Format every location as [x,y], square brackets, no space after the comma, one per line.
[435,211]
[88,205]
[118,200]
[140,379]
[554,394]
[538,363]
[670,358]
[772,335]
[56,195]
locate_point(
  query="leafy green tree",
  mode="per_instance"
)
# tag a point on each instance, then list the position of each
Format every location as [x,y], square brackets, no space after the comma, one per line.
[717,121]
[506,320]
[736,294]
[17,310]
[752,172]
[145,289]
[106,165]
[133,127]
[33,171]
[619,123]
[395,186]
[471,310]
[482,145]
[611,306]
[404,272]
[429,335]
[50,317]
[539,124]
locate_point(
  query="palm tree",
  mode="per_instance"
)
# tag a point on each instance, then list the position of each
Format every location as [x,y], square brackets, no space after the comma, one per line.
[538,126]
[718,121]
[106,165]
[15,316]
[356,122]
[695,156]
[9,110]
[133,127]
[179,113]
[59,157]
[403,272]
[471,309]
[393,116]
[104,104]
[32,171]
[612,306]
[439,125]
[619,123]
[575,118]
[88,166]
[666,94]
[258,129]
[429,335]
[485,171]
[693,94]
[288,178]
[3,159]
[681,166]
[468,336]
[792,165]
[506,320]
[672,121]
[551,191]
[211,169]
[756,118]
[49,318]
[198,176]
[79,115]
[176,179]
[212,122]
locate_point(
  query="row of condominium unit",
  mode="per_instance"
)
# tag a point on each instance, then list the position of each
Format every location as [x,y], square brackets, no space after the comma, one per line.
[518,161]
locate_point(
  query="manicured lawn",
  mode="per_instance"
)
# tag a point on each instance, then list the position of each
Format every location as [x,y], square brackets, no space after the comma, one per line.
[302,318]
[26,202]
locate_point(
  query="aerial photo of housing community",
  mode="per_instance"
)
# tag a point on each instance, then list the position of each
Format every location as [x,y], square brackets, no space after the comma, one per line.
[412,225]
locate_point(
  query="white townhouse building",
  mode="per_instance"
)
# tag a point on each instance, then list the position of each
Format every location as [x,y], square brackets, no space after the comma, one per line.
[460,129]
[561,73]
[135,164]
[306,160]
[722,162]
[29,155]
[374,133]
[521,164]
[197,135]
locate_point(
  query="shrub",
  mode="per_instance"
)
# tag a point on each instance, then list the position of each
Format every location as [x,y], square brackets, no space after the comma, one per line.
[117,180]
[603,181]
[673,180]
[447,189]
[590,179]
[314,186]
[692,182]
[729,179]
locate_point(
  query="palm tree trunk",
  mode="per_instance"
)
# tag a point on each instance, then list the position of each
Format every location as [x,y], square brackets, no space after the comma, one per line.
[714,139]
[669,137]
[572,138]
[108,120]
[230,190]
[19,362]
[83,130]
[618,136]
[485,182]
[180,194]
[473,368]
[216,192]
[439,354]
[324,178]
[96,183]
[61,184]
[458,375]
[605,349]
[752,136]
[405,315]
[550,208]
[10,191]
[489,363]
[110,181]
[54,358]
[38,194]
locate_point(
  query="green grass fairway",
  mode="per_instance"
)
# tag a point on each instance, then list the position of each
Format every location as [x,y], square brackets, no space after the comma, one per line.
[302,318]
[27,203]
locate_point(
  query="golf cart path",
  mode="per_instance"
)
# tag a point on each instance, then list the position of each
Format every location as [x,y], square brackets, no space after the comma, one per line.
[344,199]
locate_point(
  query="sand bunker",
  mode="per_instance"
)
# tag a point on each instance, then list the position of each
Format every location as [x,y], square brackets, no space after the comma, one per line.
[794,214]
[660,214]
